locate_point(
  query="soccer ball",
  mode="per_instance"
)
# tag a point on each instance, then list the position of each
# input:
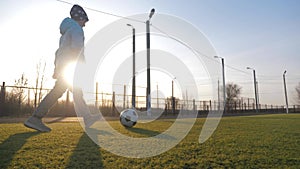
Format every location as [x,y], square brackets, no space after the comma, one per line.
[128,118]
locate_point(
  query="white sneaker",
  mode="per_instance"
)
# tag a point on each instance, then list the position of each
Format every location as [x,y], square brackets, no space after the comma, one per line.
[37,124]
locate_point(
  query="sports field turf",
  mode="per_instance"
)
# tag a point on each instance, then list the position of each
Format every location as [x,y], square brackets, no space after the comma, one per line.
[263,141]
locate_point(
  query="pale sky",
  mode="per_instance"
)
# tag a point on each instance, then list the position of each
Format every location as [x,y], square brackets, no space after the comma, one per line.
[264,35]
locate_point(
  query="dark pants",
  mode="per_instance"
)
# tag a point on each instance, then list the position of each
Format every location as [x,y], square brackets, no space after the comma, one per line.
[58,90]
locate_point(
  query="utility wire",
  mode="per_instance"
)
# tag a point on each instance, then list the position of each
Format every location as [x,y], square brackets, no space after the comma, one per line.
[181,42]
[106,13]
[209,57]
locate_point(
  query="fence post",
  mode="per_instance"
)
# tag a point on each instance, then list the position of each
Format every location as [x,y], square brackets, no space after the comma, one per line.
[68,98]
[248,104]
[2,97]
[113,104]
[173,104]
[271,107]
[194,105]
[102,99]
[259,107]
[124,97]
[28,96]
[136,101]
[235,107]
[266,107]
[214,105]
[96,102]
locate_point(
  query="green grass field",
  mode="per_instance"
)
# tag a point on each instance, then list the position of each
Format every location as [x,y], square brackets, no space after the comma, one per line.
[264,141]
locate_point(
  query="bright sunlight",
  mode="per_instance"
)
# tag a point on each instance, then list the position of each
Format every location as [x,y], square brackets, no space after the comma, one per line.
[68,72]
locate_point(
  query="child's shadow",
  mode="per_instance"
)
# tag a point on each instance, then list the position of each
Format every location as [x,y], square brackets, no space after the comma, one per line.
[12,145]
[86,154]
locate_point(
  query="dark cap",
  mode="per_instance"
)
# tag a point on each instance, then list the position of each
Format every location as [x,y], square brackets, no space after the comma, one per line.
[78,13]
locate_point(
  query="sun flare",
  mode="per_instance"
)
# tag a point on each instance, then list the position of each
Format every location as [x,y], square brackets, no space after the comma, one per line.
[69,73]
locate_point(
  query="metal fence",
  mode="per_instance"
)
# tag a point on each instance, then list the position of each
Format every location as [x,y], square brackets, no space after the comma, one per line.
[111,103]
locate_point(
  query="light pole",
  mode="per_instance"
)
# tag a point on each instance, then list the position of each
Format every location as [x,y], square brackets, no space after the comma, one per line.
[173,98]
[133,66]
[255,89]
[148,97]
[218,95]
[257,94]
[224,87]
[286,99]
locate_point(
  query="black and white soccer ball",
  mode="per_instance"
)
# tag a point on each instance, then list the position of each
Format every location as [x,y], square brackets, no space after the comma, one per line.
[128,117]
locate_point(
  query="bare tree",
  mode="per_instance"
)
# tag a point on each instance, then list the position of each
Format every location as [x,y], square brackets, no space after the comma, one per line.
[18,91]
[233,92]
[42,83]
[39,81]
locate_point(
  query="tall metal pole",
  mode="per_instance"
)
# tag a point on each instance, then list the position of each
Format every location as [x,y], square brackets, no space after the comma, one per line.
[173,98]
[148,97]
[218,95]
[255,89]
[133,67]
[257,92]
[224,86]
[286,98]
[148,106]
[157,96]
